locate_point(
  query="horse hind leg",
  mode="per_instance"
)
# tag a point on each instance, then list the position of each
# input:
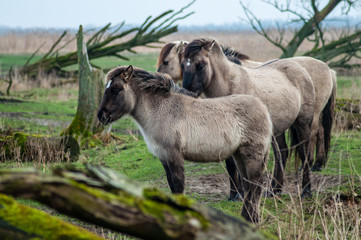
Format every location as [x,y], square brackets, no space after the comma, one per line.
[280,151]
[303,130]
[251,162]
[236,192]
[320,151]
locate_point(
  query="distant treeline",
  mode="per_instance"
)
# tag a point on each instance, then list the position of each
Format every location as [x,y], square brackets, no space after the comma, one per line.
[341,22]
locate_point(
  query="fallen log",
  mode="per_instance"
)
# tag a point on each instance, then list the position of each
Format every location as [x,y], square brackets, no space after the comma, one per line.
[18,222]
[101,196]
[28,147]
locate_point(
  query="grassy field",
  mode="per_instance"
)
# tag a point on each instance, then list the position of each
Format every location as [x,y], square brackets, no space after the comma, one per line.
[334,211]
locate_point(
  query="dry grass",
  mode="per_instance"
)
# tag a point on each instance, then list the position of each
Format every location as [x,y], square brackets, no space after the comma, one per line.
[249,42]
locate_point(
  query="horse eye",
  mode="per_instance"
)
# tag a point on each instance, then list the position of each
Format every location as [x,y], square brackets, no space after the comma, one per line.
[165,62]
[200,66]
[116,90]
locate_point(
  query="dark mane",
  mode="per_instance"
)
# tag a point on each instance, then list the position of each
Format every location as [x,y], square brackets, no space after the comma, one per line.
[151,81]
[230,52]
[164,52]
[195,46]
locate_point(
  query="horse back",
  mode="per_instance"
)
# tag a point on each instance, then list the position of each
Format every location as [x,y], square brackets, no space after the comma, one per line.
[213,129]
[321,75]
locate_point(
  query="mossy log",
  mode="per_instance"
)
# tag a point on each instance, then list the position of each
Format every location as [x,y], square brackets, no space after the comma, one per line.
[40,148]
[18,222]
[103,197]
[348,114]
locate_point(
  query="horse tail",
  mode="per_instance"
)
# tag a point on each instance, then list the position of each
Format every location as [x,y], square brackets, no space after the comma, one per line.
[328,115]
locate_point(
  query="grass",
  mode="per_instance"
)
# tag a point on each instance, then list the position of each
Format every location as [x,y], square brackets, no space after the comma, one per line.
[349,87]
[11,60]
[146,61]
[322,216]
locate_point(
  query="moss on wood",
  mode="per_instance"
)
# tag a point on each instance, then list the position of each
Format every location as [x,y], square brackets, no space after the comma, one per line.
[21,222]
[101,196]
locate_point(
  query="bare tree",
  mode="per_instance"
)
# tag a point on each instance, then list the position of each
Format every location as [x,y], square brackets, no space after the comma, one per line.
[337,53]
[101,43]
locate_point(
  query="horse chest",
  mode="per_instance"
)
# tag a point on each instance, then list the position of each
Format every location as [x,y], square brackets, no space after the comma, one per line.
[153,146]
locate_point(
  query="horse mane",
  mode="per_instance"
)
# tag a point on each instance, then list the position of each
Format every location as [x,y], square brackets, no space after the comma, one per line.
[231,52]
[195,46]
[164,52]
[151,81]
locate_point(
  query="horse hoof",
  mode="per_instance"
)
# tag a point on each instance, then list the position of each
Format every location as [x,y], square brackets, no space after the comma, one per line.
[273,193]
[316,168]
[306,194]
[236,198]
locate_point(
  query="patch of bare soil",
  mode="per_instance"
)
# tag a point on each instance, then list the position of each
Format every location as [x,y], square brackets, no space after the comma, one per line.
[215,187]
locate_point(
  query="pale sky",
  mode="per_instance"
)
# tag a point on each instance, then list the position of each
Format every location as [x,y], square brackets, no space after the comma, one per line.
[72,13]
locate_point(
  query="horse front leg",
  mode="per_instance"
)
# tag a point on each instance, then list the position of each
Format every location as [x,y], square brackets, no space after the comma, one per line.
[251,162]
[280,151]
[235,192]
[173,165]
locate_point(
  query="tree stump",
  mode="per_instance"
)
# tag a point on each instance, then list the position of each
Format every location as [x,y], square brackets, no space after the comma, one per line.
[85,126]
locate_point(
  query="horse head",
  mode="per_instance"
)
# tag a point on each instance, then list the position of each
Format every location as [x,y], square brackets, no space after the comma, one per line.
[196,64]
[118,98]
[169,59]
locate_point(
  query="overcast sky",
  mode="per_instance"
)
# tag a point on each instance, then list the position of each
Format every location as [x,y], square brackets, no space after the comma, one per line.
[72,13]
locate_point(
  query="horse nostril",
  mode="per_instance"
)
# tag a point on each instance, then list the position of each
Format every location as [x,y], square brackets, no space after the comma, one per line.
[101,114]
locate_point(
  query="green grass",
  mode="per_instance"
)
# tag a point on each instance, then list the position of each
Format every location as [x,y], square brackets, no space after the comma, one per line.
[349,87]
[12,60]
[145,61]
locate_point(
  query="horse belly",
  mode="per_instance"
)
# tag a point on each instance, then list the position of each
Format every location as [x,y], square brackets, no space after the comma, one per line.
[210,146]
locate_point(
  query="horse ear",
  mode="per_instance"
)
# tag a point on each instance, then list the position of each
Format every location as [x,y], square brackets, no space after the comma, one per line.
[181,46]
[128,73]
[208,46]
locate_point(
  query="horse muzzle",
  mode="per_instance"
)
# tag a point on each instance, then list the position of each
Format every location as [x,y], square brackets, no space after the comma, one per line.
[187,80]
[104,117]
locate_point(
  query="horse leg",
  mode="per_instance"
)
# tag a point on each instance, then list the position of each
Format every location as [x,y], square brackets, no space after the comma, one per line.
[169,175]
[235,192]
[251,163]
[174,168]
[320,150]
[280,151]
[303,130]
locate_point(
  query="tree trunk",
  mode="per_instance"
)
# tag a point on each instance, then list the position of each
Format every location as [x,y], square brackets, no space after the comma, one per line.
[85,123]
[308,28]
[18,222]
[38,148]
[101,196]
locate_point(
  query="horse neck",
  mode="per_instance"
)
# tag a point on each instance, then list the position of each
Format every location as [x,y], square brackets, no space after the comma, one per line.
[226,77]
[146,105]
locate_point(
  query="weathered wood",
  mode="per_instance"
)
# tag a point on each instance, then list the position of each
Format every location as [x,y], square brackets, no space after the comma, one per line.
[19,222]
[101,196]
[38,147]
[85,123]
